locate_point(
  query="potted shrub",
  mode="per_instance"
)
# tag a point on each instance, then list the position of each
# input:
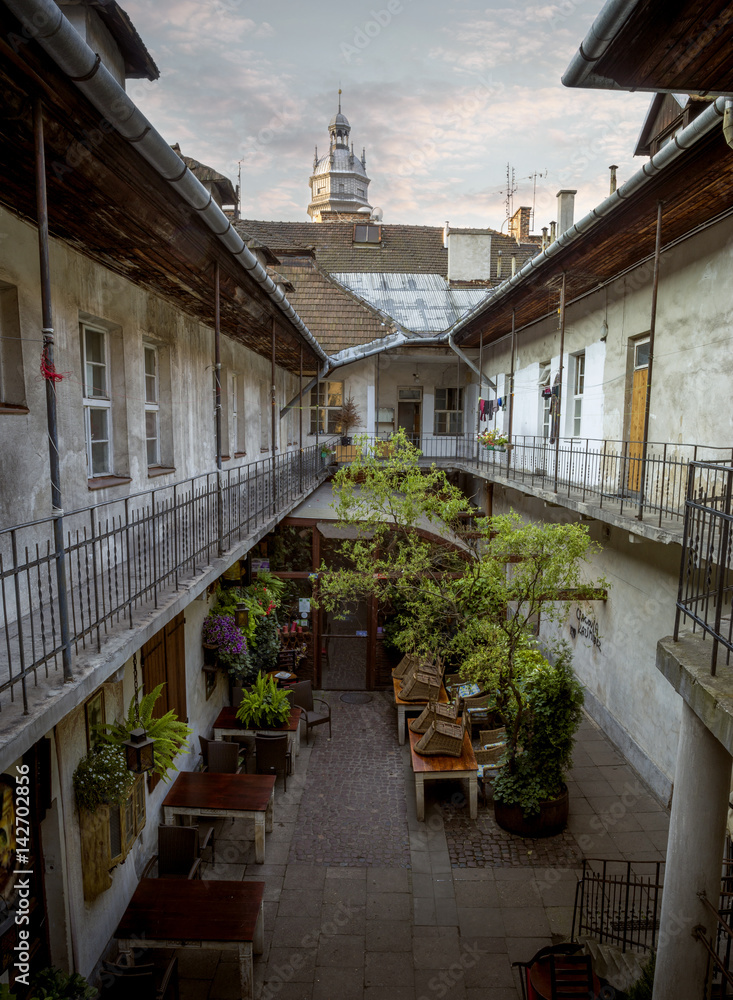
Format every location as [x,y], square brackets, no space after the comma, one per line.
[530,795]
[348,416]
[101,778]
[493,440]
[53,984]
[265,705]
[169,734]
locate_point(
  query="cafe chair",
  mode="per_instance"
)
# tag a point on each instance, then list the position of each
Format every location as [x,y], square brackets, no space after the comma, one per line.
[178,852]
[223,757]
[488,737]
[303,699]
[204,744]
[543,955]
[571,977]
[272,755]
[145,981]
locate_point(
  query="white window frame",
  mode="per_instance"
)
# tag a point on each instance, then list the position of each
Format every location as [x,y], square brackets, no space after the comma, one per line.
[93,403]
[152,406]
[578,392]
[321,410]
[234,412]
[446,415]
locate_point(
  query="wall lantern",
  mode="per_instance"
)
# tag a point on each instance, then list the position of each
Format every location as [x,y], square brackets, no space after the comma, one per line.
[139,747]
[241,617]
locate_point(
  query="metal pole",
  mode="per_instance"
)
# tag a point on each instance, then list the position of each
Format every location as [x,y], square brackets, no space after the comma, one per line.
[511,393]
[217,412]
[559,386]
[300,418]
[377,399]
[478,407]
[48,345]
[273,426]
[652,330]
[318,404]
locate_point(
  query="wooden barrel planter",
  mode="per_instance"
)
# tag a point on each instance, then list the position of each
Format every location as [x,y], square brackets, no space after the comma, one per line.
[548,822]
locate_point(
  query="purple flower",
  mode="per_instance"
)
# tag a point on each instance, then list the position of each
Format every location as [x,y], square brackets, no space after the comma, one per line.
[221,631]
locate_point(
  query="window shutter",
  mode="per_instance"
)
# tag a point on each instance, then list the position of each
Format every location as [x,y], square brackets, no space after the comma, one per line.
[175,655]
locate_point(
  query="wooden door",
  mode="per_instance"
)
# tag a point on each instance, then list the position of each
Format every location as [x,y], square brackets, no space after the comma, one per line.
[636,426]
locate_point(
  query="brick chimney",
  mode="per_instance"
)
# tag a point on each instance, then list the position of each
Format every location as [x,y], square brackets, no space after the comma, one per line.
[519,224]
[565,209]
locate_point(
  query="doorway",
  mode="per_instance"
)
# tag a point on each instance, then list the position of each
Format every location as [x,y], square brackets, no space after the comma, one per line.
[639,382]
[409,415]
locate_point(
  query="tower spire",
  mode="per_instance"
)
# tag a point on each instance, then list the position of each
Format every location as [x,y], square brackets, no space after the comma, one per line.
[339,100]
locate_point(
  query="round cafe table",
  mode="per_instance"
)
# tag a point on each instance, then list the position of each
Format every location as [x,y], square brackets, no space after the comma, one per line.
[282,676]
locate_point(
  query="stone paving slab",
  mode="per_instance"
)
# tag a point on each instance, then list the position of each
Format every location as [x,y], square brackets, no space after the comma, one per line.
[363,902]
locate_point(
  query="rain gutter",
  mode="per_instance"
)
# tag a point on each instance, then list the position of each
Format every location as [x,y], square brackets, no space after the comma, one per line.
[602,32]
[665,158]
[44,21]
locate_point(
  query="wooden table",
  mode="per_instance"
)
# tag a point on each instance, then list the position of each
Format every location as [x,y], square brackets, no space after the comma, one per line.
[445,768]
[540,979]
[415,706]
[239,796]
[227,724]
[196,913]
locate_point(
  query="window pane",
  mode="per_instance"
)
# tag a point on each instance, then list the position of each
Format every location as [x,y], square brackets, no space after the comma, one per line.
[150,361]
[151,389]
[99,424]
[642,355]
[440,403]
[96,381]
[440,423]
[151,433]
[100,458]
[334,426]
[94,344]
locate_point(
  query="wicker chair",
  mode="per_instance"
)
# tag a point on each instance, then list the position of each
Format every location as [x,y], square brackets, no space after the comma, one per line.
[487,737]
[489,764]
[156,980]
[178,852]
[434,712]
[303,698]
[272,755]
[223,757]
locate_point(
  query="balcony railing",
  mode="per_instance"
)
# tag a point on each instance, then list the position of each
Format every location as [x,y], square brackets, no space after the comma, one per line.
[617,475]
[706,573]
[123,556]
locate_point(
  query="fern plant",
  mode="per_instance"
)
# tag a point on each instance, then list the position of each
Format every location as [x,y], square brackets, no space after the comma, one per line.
[168,732]
[265,704]
[53,984]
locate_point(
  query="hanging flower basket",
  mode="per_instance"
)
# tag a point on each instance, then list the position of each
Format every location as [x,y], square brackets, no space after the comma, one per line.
[493,440]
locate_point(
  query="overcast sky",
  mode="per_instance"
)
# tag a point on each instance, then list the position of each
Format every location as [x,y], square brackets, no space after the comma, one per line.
[443,94]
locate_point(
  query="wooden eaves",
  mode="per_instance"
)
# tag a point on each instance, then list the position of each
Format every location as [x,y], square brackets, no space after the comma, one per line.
[109,204]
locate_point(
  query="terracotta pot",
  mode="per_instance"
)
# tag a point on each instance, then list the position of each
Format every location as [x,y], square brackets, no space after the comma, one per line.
[549,821]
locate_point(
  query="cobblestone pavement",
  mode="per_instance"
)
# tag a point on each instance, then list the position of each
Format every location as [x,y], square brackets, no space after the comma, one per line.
[363,902]
[353,810]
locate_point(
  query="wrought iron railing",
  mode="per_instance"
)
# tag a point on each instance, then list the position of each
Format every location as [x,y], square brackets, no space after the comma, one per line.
[619,903]
[706,571]
[621,476]
[122,556]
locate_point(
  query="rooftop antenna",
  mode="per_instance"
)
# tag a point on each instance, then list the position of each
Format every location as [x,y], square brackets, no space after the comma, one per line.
[239,190]
[533,177]
[511,187]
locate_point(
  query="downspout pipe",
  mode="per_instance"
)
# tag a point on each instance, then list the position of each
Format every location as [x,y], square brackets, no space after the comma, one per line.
[44,21]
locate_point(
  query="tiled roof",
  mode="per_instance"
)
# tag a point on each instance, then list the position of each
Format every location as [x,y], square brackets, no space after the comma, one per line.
[335,317]
[407,249]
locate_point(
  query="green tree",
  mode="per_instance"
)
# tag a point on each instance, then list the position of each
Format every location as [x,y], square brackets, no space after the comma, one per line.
[464,586]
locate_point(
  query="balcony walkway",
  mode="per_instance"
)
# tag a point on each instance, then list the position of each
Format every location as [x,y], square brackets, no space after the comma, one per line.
[365,903]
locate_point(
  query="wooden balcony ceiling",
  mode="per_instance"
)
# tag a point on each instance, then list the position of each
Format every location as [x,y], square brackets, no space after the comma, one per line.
[696,189]
[681,46]
[110,205]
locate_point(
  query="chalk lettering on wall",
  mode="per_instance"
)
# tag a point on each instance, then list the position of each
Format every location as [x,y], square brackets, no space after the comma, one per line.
[586,628]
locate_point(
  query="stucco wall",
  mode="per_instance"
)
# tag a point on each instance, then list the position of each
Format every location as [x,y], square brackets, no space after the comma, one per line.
[83,291]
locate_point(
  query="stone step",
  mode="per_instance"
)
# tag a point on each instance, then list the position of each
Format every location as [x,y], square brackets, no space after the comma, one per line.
[621,969]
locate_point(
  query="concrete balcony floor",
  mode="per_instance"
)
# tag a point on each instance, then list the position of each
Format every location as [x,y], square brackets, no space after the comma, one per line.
[363,902]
